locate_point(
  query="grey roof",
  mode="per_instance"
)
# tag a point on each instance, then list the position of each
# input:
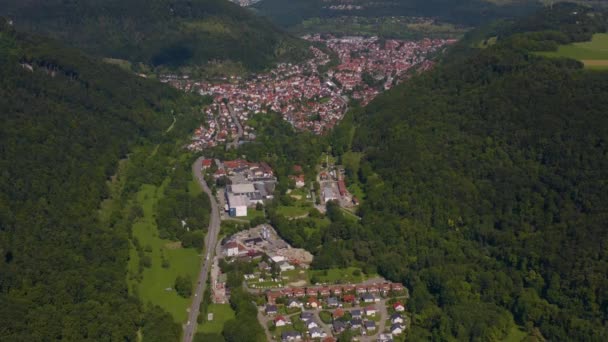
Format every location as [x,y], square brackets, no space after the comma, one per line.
[395,326]
[339,325]
[395,315]
[370,324]
[316,329]
[356,322]
[356,312]
[307,316]
[290,334]
[271,307]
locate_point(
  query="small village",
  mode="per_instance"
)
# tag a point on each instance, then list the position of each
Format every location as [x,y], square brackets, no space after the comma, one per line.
[293,309]
[311,96]
[295,302]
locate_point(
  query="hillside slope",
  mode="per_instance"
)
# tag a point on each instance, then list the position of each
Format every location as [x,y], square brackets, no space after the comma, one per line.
[67,119]
[486,189]
[169,33]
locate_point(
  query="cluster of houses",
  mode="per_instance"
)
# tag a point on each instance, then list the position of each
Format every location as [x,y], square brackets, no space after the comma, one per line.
[387,62]
[313,328]
[360,320]
[348,293]
[305,97]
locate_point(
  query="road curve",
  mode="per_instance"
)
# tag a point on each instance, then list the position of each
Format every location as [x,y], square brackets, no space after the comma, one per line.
[210,243]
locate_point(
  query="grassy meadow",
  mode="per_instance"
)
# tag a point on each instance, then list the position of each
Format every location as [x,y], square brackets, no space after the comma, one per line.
[594,54]
[222,313]
[155,286]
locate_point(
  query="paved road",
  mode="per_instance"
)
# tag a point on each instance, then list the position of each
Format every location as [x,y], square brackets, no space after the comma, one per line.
[264,322]
[235,142]
[210,243]
[326,327]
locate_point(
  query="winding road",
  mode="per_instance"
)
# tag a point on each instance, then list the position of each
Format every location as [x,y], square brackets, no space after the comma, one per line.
[210,243]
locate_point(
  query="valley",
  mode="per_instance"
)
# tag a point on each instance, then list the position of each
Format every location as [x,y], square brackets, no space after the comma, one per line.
[203,171]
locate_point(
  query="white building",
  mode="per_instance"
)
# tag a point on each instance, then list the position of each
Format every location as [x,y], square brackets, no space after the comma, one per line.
[277,258]
[242,189]
[231,249]
[237,205]
[285,266]
[329,194]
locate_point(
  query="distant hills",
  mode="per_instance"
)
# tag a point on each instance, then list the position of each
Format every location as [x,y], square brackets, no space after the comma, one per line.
[159,33]
[462,12]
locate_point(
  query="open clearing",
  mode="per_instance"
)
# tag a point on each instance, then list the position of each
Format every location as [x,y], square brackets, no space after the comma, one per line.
[156,279]
[516,334]
[593,54]
[340,275]
[222,313]
[293,211]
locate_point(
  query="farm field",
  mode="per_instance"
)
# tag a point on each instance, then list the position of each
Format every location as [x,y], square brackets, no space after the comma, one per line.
[222,313]
[152,286]
[593,54]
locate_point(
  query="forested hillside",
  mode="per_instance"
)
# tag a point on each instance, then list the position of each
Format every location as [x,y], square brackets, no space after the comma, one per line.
[486,188]
[67,119]
[160,33]
[462,12]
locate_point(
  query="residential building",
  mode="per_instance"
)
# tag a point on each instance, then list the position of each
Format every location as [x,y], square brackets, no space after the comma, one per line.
[396,329]
[290,336]
[280,321]
[369,325]
[396,318]
[231,249]
[317,333]
[271,309]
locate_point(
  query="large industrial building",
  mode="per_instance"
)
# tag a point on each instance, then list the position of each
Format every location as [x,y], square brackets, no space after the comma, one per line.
[251,183]
[237,204]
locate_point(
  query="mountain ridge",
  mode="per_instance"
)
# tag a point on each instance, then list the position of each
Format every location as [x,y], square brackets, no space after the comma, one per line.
[160,33]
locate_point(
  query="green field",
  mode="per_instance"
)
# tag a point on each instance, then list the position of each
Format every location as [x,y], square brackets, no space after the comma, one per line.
[156,279]
[593,54]
[340,275]
[222,313]
[252,213]
[293,211]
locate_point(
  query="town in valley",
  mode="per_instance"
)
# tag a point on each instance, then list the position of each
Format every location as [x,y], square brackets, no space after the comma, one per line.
[313,95]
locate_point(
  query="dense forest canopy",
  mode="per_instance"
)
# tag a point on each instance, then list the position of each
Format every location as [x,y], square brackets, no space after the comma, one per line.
[161,33]
[67,119]
[462,12]
[486,188]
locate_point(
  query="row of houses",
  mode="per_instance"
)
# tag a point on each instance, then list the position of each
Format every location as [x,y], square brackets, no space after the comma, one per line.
[336,290]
